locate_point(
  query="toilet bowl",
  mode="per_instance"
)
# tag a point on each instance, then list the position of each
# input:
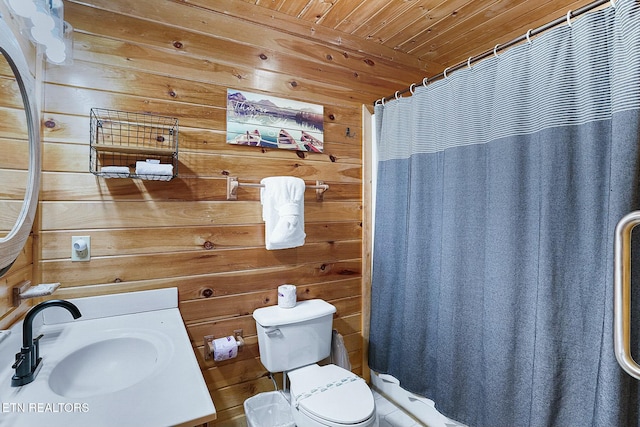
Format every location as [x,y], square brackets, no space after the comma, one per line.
[330,396]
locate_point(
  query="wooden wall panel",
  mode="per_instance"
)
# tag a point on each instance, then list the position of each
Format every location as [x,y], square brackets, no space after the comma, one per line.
[21,270]
[173,264]
[176,59]
[14,162]
[55,244]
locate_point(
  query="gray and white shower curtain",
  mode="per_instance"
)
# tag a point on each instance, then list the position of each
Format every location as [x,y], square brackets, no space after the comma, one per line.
[498,191]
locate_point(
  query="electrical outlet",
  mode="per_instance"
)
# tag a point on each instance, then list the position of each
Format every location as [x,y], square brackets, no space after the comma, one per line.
[80,248]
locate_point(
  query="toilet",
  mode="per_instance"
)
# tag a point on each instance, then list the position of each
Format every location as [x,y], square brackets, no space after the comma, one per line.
[293,341]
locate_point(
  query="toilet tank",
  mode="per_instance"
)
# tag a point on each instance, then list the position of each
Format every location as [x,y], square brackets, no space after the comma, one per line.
[289,338]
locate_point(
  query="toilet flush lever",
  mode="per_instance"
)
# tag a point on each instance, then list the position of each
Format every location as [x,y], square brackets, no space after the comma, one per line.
[272,332]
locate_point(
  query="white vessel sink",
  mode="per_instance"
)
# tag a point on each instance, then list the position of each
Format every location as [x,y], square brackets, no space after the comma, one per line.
[127,361]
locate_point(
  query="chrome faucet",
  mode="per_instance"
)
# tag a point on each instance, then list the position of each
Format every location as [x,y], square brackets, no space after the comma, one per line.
[28,360]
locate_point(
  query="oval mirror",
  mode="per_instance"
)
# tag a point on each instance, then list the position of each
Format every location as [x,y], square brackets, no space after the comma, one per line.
[20,156]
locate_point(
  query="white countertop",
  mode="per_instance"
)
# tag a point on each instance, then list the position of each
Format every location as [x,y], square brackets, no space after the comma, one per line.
[173,392]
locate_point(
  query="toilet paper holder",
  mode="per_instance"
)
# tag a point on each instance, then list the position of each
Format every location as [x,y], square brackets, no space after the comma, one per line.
[208,343]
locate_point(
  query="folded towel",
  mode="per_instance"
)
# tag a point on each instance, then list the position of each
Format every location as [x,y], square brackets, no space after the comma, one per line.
[40,290]
[154,171]
[115,171]
[282,200]
[119,169]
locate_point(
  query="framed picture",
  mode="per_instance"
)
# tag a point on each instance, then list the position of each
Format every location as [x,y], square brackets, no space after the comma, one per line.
[268,121]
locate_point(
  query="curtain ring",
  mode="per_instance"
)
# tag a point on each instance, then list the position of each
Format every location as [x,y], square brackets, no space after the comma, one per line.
[412,88]
[469,62]
[425,81]
[613,3]
[378,102]
[569,18]
[397,95]
[529,36]
[382,101]
[495,51]
[445,72]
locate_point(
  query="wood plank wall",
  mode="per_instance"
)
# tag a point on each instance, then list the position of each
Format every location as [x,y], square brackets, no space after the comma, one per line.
[178,58]
[14,163]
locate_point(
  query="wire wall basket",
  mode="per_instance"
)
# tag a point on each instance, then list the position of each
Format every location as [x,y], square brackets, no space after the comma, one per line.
[133,145]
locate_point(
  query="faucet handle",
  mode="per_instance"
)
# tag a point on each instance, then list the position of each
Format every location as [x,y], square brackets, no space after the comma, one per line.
[20,358]
[36,339]
[36,347]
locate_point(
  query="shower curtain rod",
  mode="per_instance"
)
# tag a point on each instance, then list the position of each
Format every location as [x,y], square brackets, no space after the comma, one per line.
[472,59]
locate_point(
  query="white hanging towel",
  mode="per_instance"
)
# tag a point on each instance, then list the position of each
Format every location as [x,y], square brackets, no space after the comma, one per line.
[282,200]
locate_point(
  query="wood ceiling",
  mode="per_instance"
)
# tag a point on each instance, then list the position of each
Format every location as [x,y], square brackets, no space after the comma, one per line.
[438,33]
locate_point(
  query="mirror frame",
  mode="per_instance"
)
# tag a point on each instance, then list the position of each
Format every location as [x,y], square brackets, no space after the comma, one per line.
[12,244]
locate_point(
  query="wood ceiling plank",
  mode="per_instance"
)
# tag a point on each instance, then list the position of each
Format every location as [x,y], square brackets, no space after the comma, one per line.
[294,7]
[492,19]
[404,32]
[389,16]
[503,28]
[269,4]
[341,10]
[470,21]
[315,10]
[424,35]
[434,31]
[214,18]
[516,32]
[456,19]
[364,12]
[287,24]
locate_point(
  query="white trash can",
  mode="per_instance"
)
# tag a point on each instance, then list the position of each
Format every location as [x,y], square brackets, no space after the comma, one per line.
[268,409]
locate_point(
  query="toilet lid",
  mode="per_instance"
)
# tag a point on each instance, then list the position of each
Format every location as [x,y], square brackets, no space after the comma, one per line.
[332,393]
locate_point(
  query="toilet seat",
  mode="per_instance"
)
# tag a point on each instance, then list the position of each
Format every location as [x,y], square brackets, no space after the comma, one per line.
[331,395]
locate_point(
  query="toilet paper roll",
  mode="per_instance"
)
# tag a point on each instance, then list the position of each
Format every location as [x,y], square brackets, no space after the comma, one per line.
[286,296]
[224,348]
